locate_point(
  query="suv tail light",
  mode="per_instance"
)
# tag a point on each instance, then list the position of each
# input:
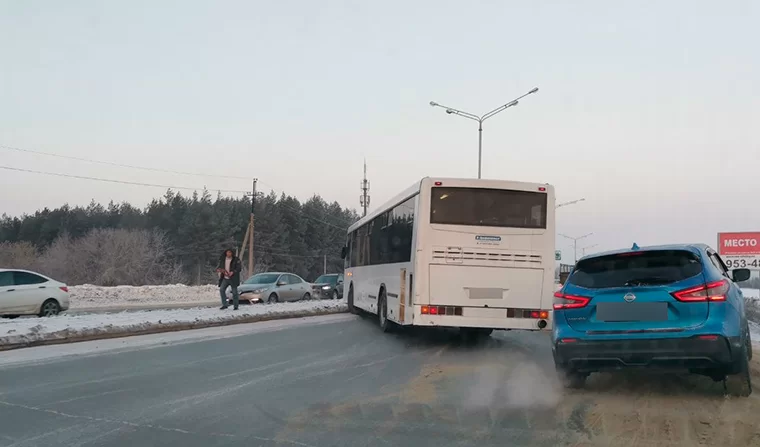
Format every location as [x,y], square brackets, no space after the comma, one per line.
[565,301]
[714,291]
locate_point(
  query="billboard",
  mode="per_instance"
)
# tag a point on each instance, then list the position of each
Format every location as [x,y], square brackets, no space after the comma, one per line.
[740,250]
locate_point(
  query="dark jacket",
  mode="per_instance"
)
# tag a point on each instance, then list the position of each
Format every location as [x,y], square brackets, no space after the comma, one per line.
[235,266]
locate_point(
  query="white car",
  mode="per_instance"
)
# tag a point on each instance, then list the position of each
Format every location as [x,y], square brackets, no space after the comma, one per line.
[28,293]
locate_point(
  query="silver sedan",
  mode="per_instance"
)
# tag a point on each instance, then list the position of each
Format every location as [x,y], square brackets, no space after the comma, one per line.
[274,287]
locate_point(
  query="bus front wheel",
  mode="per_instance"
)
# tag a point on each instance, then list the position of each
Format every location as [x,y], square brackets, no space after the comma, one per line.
[351,308]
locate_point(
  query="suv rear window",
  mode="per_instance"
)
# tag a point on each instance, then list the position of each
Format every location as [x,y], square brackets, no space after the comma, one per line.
[647,268]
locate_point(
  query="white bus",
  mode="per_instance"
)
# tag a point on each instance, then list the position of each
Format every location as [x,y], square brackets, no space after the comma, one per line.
[471,254]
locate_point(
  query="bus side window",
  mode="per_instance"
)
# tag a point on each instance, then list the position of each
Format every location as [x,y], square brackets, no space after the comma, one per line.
[353,258]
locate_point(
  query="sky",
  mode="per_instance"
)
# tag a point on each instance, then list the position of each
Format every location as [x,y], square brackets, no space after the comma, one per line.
[645,109]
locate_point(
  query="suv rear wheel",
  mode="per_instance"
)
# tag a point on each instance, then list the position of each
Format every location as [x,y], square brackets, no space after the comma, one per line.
[740,382]
[748,341]
[570,378]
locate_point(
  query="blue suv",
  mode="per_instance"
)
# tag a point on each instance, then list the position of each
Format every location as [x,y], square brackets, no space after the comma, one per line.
[671,307]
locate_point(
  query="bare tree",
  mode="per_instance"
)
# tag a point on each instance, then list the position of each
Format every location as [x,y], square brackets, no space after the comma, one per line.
[110,257]
[19,255]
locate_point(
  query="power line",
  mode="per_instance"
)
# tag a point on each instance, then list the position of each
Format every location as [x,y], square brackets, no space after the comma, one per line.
[121,165]
[265,250]
[145,168]
[332,258]
[126,182]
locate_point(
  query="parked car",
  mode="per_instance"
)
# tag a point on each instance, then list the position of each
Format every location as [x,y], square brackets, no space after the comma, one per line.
[23,292]
[273,287]
[672,307]
[328,286]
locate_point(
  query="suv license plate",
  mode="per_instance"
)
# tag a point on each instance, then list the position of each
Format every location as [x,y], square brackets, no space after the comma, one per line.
[620,312]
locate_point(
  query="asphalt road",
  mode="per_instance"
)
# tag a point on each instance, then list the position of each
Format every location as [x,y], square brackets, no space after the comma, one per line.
[323,381]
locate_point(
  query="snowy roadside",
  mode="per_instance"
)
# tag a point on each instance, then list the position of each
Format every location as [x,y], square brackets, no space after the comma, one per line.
[89,296]
[752,308]
[64,328]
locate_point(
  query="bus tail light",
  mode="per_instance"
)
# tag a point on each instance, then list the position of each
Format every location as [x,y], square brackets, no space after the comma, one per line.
[441,310]
[528,313]
[511,313]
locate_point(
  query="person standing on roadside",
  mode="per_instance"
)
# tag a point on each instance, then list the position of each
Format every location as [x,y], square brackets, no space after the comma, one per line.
[229,276]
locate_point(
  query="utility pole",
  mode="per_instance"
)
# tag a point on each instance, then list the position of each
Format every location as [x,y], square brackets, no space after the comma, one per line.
[324,264]
[575,243]
[250,240]
[249,233]
[364,198]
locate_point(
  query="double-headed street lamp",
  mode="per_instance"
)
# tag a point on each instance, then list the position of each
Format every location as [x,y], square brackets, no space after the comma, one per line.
[480,119]
[575,243]
[572,202]
[574,239]
[583,250]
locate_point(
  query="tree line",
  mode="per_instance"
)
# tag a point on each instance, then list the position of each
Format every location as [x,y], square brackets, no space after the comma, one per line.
[176,238]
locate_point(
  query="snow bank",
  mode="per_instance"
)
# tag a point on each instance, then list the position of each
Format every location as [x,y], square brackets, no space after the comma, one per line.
[31,331]
[752,305]
[754,330]
[97,296]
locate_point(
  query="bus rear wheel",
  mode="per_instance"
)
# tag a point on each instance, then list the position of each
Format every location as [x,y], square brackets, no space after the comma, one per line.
[474,334]
[382,313]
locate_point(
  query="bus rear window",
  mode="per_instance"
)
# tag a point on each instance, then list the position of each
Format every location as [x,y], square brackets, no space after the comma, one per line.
[488,207]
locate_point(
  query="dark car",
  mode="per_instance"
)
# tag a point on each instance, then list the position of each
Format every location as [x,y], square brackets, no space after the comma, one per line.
[328,286]
[674,307]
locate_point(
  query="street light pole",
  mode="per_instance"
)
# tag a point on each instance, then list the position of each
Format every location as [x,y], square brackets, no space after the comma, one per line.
[480,144]
[480,119]
[575,243]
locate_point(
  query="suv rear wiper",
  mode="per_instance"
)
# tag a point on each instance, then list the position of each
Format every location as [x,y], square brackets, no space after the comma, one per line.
[647,281]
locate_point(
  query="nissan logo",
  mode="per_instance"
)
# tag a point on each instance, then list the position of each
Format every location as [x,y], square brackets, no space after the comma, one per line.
[629,297]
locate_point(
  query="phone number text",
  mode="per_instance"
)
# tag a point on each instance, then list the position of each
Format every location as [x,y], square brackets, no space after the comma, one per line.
[742,263]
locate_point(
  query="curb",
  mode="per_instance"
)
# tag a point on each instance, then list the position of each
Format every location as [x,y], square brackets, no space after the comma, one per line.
[57,338]
[138,308]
